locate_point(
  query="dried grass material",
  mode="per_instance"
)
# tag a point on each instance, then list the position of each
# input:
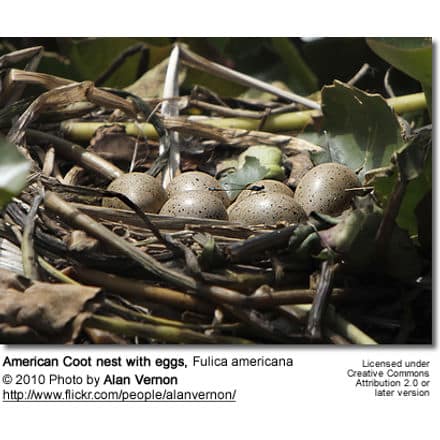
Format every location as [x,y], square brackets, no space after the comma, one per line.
[49,312]
[160,279]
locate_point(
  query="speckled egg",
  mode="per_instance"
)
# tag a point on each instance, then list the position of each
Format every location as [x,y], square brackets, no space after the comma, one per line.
[323,189]
[197,204]
[269,186]
[140,188]
[266,208]
[197,181]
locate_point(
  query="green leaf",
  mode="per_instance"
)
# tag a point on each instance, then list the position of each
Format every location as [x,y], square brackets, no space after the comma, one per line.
[337,57]
[220,43]
[413,158]
[423,213]
[302,79]
[412,55]
[414,164]
[211,48]
[250,172]
[91,57]
[156,41]
[217,85]
[427,89]
[269,157]
[269,59]
[354,236]
[13,171]
[211,256]
[403,261]
[54,64]
[362,130]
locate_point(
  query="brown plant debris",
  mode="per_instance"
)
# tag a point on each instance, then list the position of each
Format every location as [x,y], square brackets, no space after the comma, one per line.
[43,312]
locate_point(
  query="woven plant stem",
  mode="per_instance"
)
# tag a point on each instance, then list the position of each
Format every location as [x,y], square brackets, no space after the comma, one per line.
[83,131]
[76,153]
[161,333]
[29,257]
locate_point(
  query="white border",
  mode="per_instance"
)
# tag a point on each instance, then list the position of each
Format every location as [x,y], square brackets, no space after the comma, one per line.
[316,400]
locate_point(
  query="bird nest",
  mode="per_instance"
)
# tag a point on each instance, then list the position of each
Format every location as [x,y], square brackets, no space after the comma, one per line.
[77,271]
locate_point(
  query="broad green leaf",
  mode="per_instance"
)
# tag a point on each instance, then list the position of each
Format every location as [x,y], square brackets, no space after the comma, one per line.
[414,157]
[220,43]
[337,58]
[250,172]
[416,189]
[314,138]
[209,48]
[427,89]
[269,59]
[302,79]
[91,58]
[217,85]
[13,171]
[54,64]
[403,260]
[156,41]
[268,156]
[362,130]
[353,238]
[420,183]
[412,55]
[424,223]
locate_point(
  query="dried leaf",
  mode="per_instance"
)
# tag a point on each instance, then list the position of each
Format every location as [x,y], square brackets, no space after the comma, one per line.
[104,337]
[10,280]
[54,312]
[150,85]
[19,335]
[79,241]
